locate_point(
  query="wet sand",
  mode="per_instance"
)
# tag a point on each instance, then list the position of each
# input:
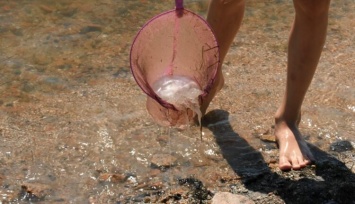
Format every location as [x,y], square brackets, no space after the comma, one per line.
[74,128]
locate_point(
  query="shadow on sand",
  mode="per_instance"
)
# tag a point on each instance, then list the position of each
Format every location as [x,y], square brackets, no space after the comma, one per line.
[329,182]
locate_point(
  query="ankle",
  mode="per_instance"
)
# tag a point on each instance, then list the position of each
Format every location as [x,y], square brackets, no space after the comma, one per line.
[281,117]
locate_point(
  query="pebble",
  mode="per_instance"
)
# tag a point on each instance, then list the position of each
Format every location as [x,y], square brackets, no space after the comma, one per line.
[1,176]
[91,28]
[46,9]
[199,161]
[341,146]
[162,139]
[155,186]
[163,160]
[37,189]
[114,178]
[229,198]
[154,172]
[268,138]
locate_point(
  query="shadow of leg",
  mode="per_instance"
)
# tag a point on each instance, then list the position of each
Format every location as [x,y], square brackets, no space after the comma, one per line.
[329,181]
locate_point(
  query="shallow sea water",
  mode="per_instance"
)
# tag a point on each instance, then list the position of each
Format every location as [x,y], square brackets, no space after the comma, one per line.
[73,123]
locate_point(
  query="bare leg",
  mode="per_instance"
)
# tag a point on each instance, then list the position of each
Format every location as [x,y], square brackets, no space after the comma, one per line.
[306,41]
[225,17]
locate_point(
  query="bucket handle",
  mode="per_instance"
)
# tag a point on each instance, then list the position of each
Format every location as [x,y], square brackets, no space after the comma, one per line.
[179,4]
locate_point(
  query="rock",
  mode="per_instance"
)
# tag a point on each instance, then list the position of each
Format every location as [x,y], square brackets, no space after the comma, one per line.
[114,178]
[9,196]
[198,161]
[132,180]
[68,11]
[91,28]
[163,160]
[155,186]
[163,140]
[270,157]
[36,189]
[229,198]
[341,146]
[173,195]
[1,176]
[46,9]
[154,172]
[268,138]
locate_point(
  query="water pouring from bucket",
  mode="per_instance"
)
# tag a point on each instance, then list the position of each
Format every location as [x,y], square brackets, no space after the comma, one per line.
[174,59]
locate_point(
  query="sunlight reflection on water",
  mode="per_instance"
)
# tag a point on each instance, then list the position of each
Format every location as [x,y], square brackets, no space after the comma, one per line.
[73,113]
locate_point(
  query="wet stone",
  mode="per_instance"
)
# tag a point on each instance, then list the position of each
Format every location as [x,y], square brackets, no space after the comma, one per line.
[1,177]
[173,195]
[8,195]
[341,146]
[122,73]
[155,186]
[229,198]
[268,138]
[139,198]
[27,87]
[68,12]
[35,190]
[91,28]
[17,31]
[235,189]
[163,140]
[154,172]
[270,157]
[199,161]
[132,180]
[197,188]
[143,185]
[46,9]
[64,66]
[163,161]
[80,83]
[114,178]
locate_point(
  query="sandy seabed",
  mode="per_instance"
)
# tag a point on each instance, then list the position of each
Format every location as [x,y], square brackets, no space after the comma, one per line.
[74,128]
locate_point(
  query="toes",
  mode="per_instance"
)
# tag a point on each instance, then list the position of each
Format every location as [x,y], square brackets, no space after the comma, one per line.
[296,164]
[308,157]
[284,164]
[302,162]
[308,161]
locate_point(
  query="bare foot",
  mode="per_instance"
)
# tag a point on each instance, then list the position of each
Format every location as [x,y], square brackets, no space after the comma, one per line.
[293,150]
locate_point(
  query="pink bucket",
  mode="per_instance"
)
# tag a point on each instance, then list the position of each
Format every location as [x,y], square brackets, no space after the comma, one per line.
[175,43]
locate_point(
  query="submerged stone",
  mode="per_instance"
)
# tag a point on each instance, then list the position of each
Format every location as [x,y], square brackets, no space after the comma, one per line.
[229,198]
[163,161]
[341,146]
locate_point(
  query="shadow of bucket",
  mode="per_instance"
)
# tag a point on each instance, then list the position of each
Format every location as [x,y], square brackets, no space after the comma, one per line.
[175,43]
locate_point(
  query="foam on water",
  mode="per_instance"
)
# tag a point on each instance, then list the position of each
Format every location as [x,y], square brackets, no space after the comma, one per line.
[180,91]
